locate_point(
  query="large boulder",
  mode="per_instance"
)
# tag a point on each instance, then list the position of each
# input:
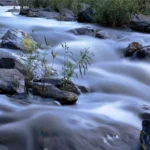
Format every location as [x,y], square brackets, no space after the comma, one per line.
[140,23]
[135,51]
[47,90]
[17,39]
[9,3]
[11,81]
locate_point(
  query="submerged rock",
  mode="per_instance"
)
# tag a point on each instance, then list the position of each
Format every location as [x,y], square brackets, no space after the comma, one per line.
[17,39]
[140,23]
[11,81]
[51,91]
[145,135]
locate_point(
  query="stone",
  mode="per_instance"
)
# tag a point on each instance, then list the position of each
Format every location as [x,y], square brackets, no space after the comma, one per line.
[140,23]
[86,15]
[132,48]
[135,51]
[9,3]
[89,31]
[11,81]
[7,61]
[51,91]
[70,86]
[63,15]
[17,39]
[67,15]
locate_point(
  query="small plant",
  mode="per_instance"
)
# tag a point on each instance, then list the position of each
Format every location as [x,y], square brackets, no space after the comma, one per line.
[70,64]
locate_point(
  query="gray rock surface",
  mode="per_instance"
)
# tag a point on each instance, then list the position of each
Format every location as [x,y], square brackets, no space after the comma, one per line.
[140,23]
[11,81]
[51,91]
[14,38]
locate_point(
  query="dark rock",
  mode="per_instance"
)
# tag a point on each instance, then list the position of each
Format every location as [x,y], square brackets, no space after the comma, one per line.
[86,15]
[145,135]
[11,81]
[84,89]
[88,31]
[67,15]
[24,11]
[132,48]
[136,51]
[70,86]
[64,15]
[14,39]
[9,3]
[140,23]
[7,61]
[51,91]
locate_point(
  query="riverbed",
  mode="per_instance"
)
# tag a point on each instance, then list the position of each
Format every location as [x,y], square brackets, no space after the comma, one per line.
[108,118]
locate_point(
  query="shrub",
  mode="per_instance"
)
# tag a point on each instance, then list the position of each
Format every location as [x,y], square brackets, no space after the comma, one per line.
[114,12]
[108,12]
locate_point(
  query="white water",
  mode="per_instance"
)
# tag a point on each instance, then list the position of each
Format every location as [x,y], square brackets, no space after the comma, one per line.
[120,91]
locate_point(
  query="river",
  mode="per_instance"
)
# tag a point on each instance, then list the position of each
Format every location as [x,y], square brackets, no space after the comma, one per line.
[109,118]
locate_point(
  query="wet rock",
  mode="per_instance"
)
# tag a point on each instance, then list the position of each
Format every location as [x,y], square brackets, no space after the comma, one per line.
[40,70]
[132,48]
[7,61]
[84,89]
[86,15]
[64,15]
[140,23]
[145,135]
[50,91]
[88,31]
[67,15]
[70,86]
[11,81]
[9,3]
[14,39]
[136,51]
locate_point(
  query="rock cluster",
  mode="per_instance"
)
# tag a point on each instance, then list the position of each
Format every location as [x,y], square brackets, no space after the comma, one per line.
[14,75]
[135,50]
[63,15]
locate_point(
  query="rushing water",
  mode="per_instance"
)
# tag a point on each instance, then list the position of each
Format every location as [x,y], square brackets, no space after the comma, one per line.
[109,118]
